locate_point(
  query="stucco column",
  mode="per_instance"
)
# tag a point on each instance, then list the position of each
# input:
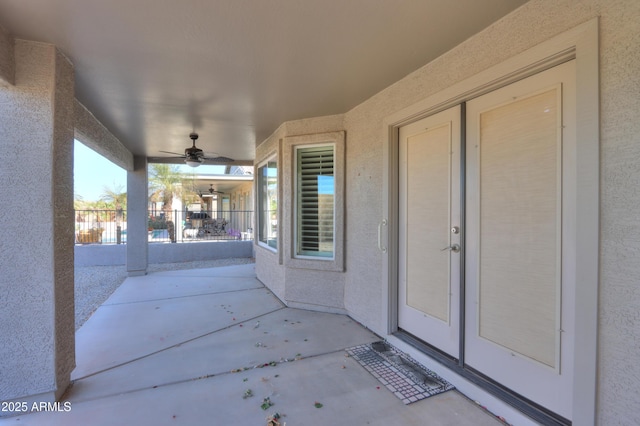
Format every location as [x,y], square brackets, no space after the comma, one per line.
[137,218]
[37,333]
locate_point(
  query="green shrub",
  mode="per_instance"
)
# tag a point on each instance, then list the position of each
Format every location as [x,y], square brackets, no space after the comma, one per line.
[157,223]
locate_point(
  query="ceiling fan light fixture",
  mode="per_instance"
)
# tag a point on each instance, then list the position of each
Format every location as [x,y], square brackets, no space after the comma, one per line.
[193,161]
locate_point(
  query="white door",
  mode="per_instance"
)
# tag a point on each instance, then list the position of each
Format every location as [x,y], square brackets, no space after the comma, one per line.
[519,237]
[429,223]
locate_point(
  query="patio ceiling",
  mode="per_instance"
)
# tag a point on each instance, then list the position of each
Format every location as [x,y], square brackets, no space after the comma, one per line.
[224,184]
[233,70]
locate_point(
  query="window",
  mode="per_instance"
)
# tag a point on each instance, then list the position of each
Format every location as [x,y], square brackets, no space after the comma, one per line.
[313,232]
[315,191]
[268,203]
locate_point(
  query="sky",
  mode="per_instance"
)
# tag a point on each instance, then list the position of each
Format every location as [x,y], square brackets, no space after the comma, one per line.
[92,172]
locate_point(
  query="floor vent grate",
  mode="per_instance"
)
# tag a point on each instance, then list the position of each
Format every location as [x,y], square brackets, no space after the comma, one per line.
[398,372]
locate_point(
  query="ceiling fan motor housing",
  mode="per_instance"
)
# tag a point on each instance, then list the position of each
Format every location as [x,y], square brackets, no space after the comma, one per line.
[193,152]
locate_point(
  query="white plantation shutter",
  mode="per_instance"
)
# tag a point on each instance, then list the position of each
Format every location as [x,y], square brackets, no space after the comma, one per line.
[315,201]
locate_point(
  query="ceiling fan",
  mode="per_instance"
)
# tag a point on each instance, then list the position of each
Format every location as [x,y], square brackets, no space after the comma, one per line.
[194,156]
[211,192]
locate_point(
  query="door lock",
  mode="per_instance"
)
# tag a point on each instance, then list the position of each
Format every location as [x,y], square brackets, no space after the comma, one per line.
[455,230]
[454,248]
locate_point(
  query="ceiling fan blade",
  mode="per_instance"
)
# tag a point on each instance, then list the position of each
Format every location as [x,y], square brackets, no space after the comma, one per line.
[196,156]
[220,160]
[174,153]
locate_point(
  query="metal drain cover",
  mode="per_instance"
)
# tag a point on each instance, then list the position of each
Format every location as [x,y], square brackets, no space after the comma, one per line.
[398,372]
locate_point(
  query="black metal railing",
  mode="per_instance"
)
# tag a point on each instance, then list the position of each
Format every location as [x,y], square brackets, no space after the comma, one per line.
[205,225]
[101,226]
[110,226]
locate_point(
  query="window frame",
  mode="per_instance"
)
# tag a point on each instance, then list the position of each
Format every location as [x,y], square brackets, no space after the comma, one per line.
[259,196]
[290,147]
[296,206]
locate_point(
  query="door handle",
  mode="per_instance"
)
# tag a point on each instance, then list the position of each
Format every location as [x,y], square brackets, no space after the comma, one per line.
[380,246]
[454,248]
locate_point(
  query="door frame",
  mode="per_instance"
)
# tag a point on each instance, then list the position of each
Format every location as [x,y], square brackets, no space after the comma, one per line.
[441,330]
[579,44]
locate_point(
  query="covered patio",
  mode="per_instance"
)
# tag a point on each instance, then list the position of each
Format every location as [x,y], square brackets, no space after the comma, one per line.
[185,347]
[461,178]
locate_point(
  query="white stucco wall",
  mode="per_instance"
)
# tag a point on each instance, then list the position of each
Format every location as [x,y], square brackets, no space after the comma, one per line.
[528,26]
[116,254]
[535,22]
[242,194]
[300,287]
[91,132]
[63,227]
[36,283]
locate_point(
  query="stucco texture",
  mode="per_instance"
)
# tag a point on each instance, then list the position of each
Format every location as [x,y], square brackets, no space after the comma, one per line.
[63,220]
[137,237]
[93,134]
[36,124]
[269,269]
[270,272]
[537,21]
[619,293]
[319,290]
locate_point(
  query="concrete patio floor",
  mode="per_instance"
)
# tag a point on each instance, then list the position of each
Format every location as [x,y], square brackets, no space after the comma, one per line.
[181,347]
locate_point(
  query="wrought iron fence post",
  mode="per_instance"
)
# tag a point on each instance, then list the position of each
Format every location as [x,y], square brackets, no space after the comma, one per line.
[171,227]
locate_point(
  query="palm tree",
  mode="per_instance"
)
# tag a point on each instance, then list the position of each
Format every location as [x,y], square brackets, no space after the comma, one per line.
[165,183]
[115,196]
[190,193]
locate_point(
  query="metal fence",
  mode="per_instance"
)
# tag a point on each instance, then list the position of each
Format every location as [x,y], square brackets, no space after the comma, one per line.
[110,226]
[206,225]
[101,226]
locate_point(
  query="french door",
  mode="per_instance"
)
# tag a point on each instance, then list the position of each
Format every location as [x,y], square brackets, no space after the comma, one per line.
[519,235]
[429,238]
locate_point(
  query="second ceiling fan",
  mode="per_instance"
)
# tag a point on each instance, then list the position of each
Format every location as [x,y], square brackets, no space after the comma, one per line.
[211,193]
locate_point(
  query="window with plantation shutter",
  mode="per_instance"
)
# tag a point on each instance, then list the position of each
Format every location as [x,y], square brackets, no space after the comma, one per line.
[313,183]
[315,190]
